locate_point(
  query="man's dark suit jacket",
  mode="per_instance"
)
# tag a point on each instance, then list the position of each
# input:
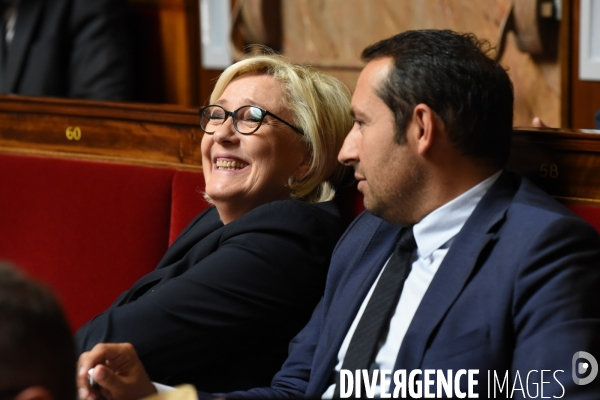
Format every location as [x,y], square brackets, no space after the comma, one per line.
[223,304]
[519,290]
[68,48]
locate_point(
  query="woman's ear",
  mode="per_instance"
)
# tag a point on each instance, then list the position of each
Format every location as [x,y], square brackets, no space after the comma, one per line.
[304,165]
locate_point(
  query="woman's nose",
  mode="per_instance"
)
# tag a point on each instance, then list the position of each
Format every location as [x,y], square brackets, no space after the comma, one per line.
[226,133]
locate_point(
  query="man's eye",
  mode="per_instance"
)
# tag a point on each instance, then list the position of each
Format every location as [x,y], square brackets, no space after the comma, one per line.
[217,116]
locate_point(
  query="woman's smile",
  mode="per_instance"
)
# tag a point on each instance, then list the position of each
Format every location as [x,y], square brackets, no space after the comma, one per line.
[243,171]
[229,164]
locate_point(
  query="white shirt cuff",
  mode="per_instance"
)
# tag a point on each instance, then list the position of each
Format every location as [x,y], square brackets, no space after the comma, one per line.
[160,388]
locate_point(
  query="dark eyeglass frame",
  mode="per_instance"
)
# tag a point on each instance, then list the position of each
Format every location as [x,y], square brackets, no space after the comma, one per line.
[233,113]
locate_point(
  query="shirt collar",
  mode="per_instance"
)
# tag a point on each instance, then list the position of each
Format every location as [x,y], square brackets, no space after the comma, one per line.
[443,223]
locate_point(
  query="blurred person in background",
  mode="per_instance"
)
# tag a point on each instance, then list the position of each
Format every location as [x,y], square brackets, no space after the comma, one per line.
[65,48]
[37,355]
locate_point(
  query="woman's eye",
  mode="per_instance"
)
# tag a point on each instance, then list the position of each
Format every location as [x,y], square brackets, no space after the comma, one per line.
[253,114]
[250,118]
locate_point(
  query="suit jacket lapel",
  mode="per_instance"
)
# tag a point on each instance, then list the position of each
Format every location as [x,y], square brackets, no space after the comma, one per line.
[368,257]
[455,270]
[27,19]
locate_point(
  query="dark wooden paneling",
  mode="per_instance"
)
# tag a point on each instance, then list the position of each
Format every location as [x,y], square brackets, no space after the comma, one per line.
[137,133]
[565,163]
[208,78]
[166,42]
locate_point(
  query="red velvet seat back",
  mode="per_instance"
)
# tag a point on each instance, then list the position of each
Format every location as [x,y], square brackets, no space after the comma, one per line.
[188,200]
[590,213]
[350,201]
[89,229]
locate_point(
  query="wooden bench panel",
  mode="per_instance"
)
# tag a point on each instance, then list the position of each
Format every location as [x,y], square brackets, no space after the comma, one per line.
[565,163]
[138,133]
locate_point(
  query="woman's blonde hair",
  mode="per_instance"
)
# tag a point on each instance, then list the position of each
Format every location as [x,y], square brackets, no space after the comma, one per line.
[320,107]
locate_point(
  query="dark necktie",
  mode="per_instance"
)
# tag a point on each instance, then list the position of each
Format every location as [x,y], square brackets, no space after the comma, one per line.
[374,323]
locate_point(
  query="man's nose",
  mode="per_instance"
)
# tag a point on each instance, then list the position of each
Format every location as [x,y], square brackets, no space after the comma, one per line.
[348,154]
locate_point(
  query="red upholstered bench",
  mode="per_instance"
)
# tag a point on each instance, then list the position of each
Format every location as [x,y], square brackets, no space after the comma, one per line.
[590,213]
[187,200]
[90,229]
[350,202]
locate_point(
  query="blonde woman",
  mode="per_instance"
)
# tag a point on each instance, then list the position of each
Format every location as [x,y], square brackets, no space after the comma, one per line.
[243,278]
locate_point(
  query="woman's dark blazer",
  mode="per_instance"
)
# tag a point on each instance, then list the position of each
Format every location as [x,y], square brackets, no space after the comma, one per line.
[224,302]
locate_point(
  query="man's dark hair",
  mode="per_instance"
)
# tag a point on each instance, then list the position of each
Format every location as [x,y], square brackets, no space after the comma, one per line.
[36,346]
[452,74]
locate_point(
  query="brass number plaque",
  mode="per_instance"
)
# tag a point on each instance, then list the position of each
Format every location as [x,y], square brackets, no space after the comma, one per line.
[549,171]
[73,133]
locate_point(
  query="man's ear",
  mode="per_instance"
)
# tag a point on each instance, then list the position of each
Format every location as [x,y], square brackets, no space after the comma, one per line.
[426,124]
[34,393]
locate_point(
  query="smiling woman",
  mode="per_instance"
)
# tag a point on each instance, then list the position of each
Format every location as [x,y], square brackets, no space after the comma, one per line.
[270,155]
[243,278]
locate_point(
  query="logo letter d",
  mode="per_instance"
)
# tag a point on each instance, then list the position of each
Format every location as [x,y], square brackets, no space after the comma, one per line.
[580,368]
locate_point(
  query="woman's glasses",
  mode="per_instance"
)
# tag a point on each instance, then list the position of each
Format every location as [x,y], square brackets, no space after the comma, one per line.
[246,119]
